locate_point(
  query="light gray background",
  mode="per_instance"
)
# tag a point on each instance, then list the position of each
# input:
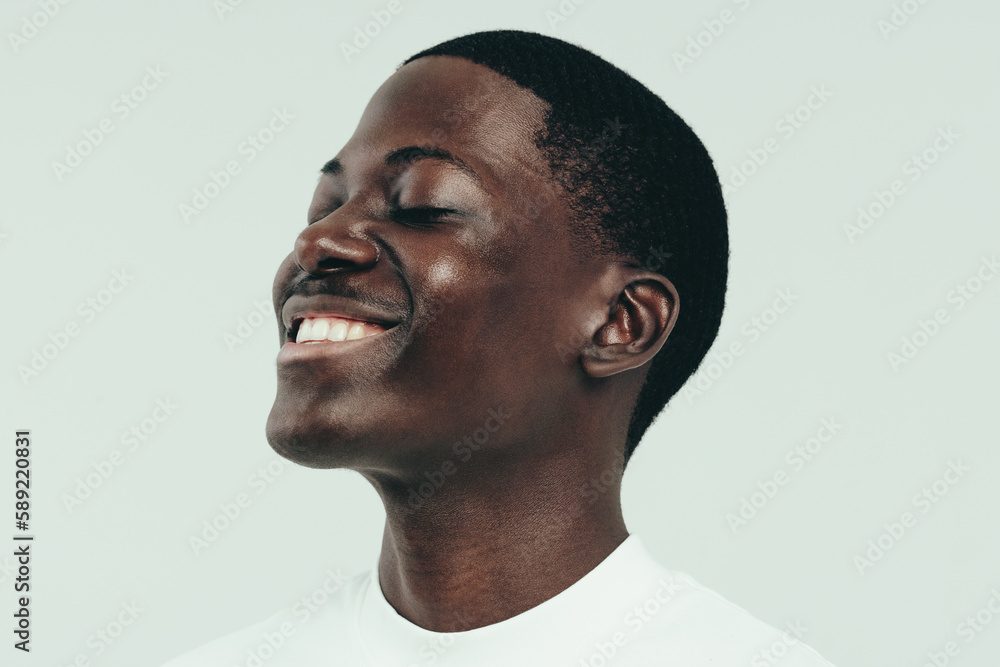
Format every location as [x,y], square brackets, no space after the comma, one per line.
[163,335]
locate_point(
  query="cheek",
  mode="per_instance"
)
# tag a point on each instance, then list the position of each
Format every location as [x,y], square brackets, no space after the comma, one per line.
[443,273]
[486,299]
[445,283]
[286,271]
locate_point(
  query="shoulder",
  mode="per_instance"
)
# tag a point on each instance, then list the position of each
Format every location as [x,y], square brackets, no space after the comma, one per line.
[693,624]
[290,634]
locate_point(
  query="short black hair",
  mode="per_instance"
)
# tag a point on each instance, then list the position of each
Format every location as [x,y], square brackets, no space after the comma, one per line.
[637,179]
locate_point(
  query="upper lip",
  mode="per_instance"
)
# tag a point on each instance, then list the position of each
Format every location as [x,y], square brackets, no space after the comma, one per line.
[299,307]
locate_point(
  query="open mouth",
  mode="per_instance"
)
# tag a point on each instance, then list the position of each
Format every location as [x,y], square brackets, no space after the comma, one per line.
[331,329]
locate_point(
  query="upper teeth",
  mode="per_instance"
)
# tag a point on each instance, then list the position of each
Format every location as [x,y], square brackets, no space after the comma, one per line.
[334,329]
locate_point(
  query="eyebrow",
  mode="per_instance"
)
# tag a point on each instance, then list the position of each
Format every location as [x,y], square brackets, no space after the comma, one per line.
[410,154]
[332,168]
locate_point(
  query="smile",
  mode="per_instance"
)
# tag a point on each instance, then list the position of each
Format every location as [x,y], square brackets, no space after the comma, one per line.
[331,329]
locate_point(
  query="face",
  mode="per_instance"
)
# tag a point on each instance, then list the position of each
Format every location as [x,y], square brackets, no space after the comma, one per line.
[425,246]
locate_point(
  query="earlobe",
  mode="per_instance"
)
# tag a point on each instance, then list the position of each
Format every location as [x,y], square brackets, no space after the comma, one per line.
[636,328]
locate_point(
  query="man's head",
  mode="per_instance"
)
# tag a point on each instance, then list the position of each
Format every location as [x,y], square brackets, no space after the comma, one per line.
[519,221]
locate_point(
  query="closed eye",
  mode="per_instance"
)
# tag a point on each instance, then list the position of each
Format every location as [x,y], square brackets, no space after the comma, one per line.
[420,215]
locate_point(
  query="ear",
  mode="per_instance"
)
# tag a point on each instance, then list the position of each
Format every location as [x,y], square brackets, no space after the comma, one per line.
[643,310]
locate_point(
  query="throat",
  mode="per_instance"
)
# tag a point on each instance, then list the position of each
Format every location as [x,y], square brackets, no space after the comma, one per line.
[470,566]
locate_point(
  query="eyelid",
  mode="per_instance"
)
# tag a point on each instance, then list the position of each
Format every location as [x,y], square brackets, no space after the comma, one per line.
[418,215]
[405,215]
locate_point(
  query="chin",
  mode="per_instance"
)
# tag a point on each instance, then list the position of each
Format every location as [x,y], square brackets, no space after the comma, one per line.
[294,434]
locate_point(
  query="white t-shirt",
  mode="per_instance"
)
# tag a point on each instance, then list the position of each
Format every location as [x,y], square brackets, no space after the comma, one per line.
[626,612]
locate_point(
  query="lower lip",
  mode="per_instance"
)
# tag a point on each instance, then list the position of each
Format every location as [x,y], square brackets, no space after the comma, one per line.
[292,352]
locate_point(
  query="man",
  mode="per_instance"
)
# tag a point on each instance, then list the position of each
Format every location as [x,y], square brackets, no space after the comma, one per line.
[483,315]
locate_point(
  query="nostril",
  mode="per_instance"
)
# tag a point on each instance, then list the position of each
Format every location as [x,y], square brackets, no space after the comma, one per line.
[333,264]
[332,253]
[325,266]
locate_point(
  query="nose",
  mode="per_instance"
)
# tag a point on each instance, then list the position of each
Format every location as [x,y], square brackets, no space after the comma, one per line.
[331,246]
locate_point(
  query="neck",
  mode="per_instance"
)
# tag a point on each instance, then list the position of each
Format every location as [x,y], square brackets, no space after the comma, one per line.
[495,539]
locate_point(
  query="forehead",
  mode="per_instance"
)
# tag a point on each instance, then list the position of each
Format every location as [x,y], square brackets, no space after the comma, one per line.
[485,119]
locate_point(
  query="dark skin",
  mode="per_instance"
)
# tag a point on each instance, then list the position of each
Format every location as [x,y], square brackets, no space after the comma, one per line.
[480,302]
